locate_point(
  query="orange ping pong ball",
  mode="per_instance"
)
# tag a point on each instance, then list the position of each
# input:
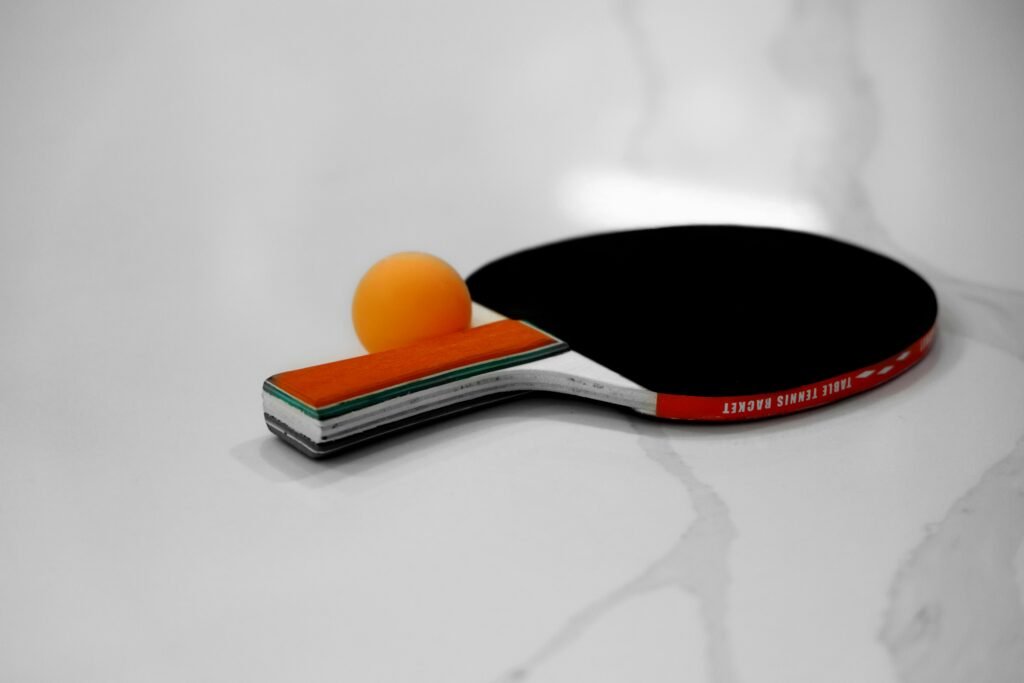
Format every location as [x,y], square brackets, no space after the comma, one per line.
[407,297]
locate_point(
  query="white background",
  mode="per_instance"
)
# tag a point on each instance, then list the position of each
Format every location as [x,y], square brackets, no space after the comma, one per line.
[190,191]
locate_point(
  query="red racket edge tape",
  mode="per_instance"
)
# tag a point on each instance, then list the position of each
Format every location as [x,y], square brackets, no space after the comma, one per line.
[757,406]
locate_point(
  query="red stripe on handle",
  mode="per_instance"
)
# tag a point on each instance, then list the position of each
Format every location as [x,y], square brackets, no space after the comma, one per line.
[755,406]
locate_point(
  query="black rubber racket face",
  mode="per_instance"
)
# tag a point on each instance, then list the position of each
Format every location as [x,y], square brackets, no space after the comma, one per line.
[714,310]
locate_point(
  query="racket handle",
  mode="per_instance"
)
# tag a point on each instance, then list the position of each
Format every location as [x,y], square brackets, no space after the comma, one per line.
[314,401]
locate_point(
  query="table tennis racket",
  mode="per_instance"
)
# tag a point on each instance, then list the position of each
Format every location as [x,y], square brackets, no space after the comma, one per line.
[698,322]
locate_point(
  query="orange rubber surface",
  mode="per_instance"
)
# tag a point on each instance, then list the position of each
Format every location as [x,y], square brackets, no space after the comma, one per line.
[323,385]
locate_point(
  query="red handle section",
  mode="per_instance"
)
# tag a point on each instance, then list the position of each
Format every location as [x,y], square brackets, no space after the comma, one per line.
[322,386]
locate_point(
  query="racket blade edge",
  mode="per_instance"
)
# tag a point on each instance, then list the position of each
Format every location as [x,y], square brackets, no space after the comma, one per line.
[772,404]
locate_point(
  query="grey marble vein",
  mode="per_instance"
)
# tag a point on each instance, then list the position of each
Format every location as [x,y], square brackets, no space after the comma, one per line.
[956,610]
[816,52]
[650,78]
[698,563]
[991,315]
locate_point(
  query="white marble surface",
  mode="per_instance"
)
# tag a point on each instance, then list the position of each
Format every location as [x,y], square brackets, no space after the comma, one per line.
[189,192]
